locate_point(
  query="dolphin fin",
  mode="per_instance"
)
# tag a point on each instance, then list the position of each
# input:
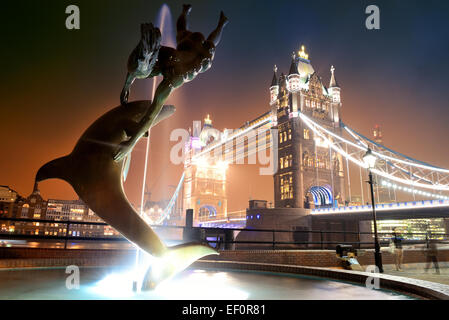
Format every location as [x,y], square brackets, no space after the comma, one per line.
[126,166]
[175,260]
[166,112]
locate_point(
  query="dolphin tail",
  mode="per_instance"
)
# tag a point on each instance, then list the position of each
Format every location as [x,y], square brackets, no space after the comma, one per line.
[175,260]
[53,169]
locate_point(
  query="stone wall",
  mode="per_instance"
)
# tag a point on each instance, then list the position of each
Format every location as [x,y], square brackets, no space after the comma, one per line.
[311,258]
[43,257]
[28,257]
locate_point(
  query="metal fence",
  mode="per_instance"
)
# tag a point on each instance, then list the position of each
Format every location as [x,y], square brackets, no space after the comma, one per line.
[222,238]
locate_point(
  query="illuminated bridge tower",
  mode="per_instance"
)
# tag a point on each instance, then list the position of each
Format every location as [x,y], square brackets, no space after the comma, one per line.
[205,178]
[310,173]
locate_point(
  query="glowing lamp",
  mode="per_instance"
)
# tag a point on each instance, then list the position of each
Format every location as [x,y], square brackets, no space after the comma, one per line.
[369,159]
[196,143]
[223,165]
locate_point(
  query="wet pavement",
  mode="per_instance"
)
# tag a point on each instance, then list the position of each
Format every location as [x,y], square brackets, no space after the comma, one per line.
[417,271]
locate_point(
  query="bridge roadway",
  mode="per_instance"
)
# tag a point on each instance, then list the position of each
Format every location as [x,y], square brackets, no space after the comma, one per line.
[424,209]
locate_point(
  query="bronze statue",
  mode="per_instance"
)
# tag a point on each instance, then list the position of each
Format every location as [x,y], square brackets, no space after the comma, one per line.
[96,175]
[193,55]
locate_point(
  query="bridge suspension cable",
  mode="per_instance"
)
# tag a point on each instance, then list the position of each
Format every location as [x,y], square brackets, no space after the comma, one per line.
[398,168]
[168,209]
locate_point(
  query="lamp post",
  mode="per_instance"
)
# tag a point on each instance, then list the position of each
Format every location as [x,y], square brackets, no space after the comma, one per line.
[370,161]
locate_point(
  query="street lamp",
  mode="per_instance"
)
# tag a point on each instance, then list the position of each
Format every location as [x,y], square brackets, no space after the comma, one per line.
[370,161]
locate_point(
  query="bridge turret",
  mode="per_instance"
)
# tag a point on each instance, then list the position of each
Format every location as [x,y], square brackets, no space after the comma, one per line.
[304,66]
[209,134]
[274,88]
[334,89]
[294,78]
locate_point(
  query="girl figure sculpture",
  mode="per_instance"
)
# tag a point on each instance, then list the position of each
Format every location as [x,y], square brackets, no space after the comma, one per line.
[193,55]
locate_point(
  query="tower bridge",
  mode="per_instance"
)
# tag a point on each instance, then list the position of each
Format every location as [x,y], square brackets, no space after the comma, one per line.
[315,155]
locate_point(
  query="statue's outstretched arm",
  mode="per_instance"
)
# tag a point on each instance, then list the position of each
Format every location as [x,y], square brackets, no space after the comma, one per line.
[163,91]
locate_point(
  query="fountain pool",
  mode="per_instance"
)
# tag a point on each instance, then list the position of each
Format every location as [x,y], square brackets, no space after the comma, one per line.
[192,284]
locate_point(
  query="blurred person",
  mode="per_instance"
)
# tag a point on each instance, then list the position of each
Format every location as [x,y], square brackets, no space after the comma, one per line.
[398,251]
[431,251]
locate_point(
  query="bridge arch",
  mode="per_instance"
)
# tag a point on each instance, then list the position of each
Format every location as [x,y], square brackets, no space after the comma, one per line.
[207,211]
[322,195]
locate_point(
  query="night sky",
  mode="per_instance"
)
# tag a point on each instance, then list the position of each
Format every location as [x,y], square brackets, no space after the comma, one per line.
[56,82]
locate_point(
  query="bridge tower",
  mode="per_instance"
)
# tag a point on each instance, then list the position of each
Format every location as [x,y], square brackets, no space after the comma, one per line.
[310,173]
[205,178]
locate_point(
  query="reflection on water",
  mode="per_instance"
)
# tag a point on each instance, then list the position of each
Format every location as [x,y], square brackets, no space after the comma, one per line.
[116,283]
[58,244]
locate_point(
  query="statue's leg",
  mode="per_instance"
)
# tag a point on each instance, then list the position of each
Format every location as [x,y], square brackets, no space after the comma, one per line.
[126,88]
[215,36]
[181,24]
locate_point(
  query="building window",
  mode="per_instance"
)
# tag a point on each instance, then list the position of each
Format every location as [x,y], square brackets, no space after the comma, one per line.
[289,134]
[306,134]
[286,186]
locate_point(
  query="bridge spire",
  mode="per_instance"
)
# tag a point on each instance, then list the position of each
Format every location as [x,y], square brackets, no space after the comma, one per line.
[208,121]
[274,88]
[333,83]
[302,53]
[293,67]
[275,81]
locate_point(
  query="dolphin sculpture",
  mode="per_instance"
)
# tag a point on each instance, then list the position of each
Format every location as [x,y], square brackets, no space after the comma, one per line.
[101,157]
[97,178]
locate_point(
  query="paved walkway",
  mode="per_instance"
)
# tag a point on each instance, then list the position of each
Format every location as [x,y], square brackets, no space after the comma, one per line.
[416,271]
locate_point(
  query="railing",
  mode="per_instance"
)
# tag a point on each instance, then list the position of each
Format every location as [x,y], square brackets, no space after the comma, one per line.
[230,216]
[226,238]
[318,239]
[418,204]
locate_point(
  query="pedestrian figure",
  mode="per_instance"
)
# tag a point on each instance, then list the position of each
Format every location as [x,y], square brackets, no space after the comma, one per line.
[431,254]
[397,240]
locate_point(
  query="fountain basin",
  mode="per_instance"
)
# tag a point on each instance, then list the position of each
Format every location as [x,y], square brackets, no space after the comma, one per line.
[192,284]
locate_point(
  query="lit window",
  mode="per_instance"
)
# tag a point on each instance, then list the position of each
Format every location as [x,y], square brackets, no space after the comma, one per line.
[306,134]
